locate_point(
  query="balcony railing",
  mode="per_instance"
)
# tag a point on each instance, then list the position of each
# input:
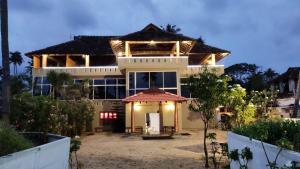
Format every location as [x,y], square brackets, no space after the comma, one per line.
[153,62]
[195,69]
[79,71]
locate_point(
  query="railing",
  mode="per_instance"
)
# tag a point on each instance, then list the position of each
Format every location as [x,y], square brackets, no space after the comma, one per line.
[79,71]
[195,69]
[153,62]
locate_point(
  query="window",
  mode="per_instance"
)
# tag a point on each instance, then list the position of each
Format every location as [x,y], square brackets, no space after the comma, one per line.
[185,91]
[140,81]
[156,79]
[110,88]
[41,86]
[170,79]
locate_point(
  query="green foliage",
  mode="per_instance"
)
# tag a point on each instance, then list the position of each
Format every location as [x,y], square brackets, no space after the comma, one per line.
[242,158]
[284,133]
[57,81]
[263,100]
[42,114]
[210,92]
[250,76]
[217,151]
[11,141]
[242,109]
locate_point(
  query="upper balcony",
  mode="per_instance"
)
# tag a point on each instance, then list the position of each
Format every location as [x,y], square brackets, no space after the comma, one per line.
[79,71]
[195,69]
[153,62]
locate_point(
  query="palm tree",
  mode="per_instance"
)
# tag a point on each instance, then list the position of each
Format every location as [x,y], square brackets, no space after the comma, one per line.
[57,80]
[297,98]
[171,28]
[28,68]
[5,60]
[16,59]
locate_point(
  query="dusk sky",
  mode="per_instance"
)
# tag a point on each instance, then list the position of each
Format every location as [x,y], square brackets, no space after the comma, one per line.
[264,32]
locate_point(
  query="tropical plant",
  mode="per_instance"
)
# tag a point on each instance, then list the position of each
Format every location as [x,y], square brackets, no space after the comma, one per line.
[16,59]
[242,158]
[171,28]
[297,98]
[242,109]
[43,114]
[210,92]
[11,141]
[5,61]
[263,100]
[57,80]
[74,147]
[218,150]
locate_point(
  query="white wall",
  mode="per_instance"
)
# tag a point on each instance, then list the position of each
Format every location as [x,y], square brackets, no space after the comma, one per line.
[259,160]
[53,155]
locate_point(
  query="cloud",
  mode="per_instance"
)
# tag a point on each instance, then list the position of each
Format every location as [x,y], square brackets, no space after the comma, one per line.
[262,32]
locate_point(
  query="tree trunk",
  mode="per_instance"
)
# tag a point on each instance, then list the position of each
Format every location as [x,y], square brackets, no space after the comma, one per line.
[204,144]
[5,60]
[297,97]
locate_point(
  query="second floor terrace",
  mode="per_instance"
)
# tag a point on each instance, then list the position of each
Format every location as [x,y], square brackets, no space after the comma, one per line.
[149,48]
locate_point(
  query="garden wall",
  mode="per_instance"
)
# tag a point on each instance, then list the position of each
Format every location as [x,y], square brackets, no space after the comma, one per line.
[259,160]
[53,155]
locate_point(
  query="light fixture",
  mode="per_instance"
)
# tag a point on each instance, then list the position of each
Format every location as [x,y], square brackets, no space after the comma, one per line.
[170,107]
[152,42]
[120,53]
[137,107]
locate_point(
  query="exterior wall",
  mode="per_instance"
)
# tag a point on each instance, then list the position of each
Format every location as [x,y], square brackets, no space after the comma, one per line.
[186,119]
[190,120]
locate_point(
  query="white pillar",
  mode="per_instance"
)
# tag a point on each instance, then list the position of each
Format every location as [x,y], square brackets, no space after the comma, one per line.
[177,49]
[44,60]
[213,59]
[126,49]
[87,60]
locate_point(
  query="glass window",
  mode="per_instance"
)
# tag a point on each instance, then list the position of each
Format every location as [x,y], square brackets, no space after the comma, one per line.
[131,92]
[184,80]
[174,91]
[99,82]
[185,92]
[111,81]
[131,80]
[156,79]
[121,92]
[36,90]
[45,90]
[170,79]
[142,80]
[121,81]
[38,80]
[111,92]
[91,96]
[78,81]
[99,92]
[45,80]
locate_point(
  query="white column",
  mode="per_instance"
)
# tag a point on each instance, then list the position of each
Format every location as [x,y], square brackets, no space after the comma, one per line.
[177,49]
[44,60]
[87,60]
[213,59]
[126,49]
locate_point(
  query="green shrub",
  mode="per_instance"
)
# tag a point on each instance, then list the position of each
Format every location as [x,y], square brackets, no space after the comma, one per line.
[11,141]
[272,131]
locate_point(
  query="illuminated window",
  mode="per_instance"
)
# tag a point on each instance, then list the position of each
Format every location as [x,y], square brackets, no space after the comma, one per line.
[108,115]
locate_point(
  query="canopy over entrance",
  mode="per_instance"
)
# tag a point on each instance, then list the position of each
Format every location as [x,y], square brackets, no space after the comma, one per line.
[155,95]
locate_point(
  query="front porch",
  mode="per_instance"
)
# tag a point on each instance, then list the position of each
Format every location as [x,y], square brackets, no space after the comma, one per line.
[149,103]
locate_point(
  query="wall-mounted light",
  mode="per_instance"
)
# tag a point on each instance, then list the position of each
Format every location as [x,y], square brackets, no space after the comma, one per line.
[137,107]
[170,107]
[120,53]
[152,42]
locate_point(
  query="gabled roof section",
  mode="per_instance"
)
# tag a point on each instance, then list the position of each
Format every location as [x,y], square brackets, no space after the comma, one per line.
[203,48]
[79,45]
[291,73]
[154,95]
[153,32]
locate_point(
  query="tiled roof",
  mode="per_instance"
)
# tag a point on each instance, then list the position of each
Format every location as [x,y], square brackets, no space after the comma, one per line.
[154,95]
[291,73]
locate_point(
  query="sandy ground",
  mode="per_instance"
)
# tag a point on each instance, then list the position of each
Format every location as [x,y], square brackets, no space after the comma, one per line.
[117,151]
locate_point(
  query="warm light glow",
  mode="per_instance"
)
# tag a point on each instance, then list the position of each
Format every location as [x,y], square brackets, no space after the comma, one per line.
[170,107]
[116,41]
[120,54]
[152,42]
[137,107]
[186,42]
